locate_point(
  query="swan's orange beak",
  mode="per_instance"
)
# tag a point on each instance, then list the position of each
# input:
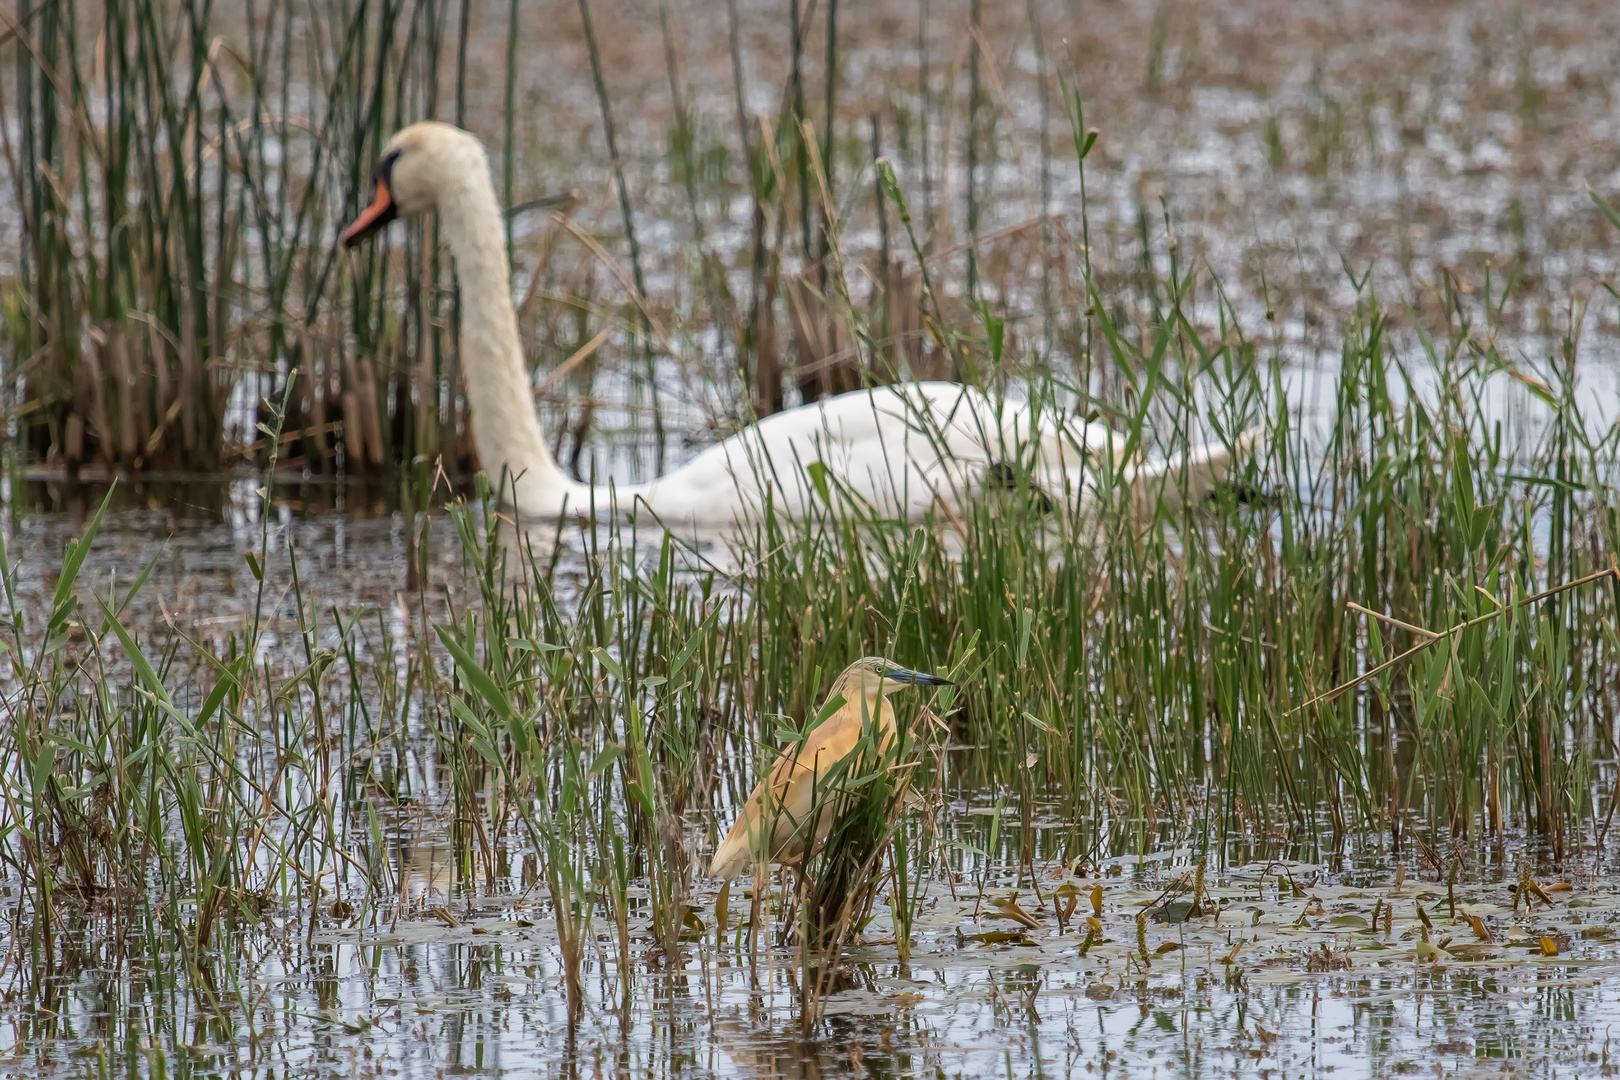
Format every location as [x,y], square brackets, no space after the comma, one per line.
[372,218]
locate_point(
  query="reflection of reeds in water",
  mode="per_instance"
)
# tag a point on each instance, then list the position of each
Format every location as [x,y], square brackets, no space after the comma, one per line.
[429,872]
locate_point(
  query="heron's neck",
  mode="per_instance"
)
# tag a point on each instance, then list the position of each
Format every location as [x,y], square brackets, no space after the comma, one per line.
[863,706]
[505,428]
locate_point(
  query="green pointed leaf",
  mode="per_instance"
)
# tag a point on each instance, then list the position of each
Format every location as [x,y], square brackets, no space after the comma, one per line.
[63,602]
[137,659]
[475,676]
[817,472]
[694,641]
[1607,207]
[607,661]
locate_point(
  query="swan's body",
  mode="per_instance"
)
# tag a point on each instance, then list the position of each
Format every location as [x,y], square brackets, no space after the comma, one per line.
[894,449]
[788,813]
[897,449]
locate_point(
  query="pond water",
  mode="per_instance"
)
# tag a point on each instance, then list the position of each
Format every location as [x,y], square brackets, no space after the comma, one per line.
[1285,982]
[1301,960]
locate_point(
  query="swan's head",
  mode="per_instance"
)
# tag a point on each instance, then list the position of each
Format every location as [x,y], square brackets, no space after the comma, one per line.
[418,165]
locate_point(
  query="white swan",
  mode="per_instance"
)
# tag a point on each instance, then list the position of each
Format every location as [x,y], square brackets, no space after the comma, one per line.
[898,449]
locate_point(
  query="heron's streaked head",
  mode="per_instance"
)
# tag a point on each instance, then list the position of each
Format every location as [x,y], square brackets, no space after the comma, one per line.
[871,675]
[418,165]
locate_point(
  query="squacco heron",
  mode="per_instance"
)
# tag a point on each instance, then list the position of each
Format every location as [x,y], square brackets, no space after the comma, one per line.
[785,806]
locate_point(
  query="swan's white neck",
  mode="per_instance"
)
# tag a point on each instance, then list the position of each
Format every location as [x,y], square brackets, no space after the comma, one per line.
[505,428]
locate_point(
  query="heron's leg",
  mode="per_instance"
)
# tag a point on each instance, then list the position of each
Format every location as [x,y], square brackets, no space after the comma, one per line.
[795,864]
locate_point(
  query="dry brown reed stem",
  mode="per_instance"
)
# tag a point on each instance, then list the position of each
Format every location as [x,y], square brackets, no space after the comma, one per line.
[816,309]
[581,354]
[934,257]
[1003,101]
[975,96]
[942,229]
[1391,620]
[660,335]
[1434,637]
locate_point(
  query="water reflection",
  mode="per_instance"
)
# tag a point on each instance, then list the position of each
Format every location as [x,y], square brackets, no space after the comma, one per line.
[454,980]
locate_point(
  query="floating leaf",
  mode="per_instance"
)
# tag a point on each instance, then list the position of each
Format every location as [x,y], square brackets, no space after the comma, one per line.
[1473,950]
[1008,908]
[1000,937]
[1173,913]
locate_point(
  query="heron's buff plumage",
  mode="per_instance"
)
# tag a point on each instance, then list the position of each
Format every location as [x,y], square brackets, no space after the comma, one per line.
[789,795]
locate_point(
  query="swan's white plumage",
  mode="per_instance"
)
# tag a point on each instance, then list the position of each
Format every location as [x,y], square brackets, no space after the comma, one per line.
[898,449]
[895,449]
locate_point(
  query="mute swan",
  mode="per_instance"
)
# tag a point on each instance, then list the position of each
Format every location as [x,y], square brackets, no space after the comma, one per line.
[895,448]
[786,802]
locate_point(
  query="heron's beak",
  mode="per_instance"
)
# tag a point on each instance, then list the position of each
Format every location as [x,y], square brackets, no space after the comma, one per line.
[916,678]
[381,211]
